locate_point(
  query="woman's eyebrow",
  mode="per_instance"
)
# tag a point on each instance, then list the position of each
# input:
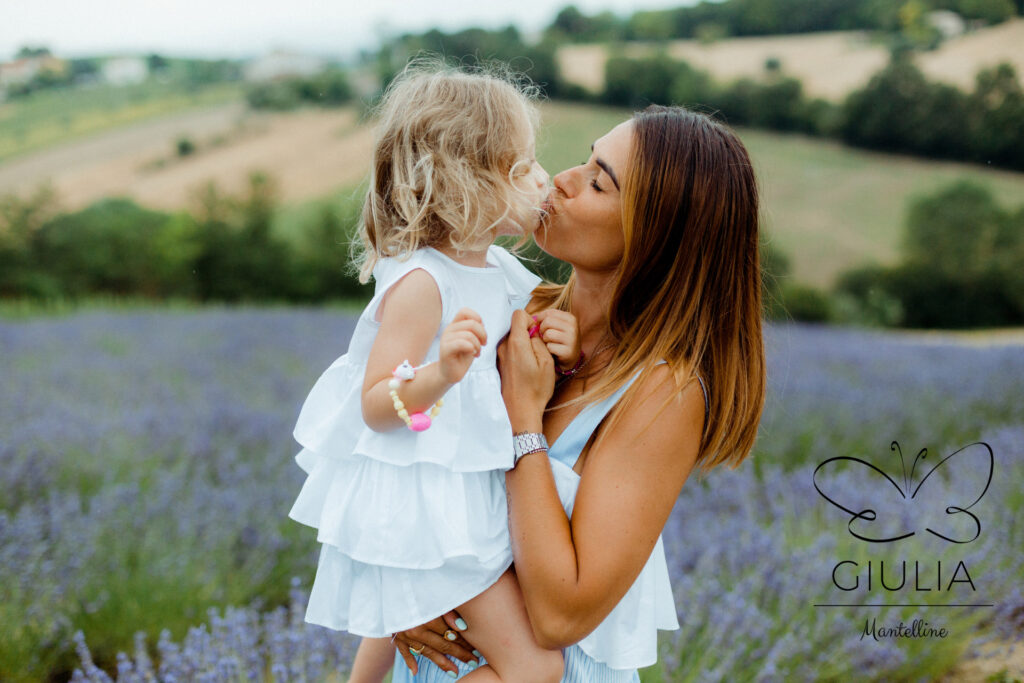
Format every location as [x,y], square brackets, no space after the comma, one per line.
[606,168]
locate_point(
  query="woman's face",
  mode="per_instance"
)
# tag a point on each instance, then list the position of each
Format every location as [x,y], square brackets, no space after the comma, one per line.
[584,226]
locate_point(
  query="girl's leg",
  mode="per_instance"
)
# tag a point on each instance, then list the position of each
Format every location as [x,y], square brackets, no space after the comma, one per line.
[373,660]
[500,629]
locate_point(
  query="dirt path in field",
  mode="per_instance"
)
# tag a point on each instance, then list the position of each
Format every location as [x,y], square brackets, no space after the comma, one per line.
[829,64]
[309,153]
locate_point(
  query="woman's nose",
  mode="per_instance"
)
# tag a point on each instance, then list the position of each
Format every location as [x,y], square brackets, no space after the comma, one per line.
[563,183]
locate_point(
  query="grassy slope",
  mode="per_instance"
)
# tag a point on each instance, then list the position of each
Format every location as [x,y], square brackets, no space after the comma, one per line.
[50,117]
[827,206]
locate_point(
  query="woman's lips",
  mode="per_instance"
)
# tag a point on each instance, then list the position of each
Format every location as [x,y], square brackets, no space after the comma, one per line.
[547,206]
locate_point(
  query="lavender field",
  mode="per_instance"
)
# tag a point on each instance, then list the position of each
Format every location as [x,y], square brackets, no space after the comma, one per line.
[147,473]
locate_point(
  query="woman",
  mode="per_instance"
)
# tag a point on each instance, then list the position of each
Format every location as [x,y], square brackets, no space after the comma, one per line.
[660,226]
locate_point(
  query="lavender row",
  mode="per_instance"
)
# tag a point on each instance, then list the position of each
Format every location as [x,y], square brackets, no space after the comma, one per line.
[147,473]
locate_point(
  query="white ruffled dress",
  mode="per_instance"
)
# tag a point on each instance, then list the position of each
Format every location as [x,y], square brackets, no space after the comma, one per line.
[412,524]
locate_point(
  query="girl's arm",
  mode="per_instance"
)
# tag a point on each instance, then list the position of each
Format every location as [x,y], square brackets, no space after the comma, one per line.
[409,322]
[573,573]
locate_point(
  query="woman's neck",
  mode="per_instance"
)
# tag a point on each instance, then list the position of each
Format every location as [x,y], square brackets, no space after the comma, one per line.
[588,303]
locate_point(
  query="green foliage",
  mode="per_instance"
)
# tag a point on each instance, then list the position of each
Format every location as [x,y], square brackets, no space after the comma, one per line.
[777,103]
[185,146]
[323,252]
[783,299]
[329,88]
[20,223]
[806,303]
[226,251]
[30,51]
[155,62]
[958,231]
[198,72]
[709,20]
[989,11]
[900,110]
[571,24]
[775,269]
[963,259]
[109,247]
[863,297]
[476,46]
[997,118]
[638,82]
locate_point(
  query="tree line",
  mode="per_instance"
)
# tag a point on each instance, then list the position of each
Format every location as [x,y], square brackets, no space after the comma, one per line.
[224,250]
[711,20]
[898,110]
[962,263]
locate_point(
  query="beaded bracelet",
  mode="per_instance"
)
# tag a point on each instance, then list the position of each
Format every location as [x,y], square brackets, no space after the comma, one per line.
[417,422]
[576,368]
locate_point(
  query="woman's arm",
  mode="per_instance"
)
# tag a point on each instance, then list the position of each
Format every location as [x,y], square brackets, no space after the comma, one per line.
[574,572]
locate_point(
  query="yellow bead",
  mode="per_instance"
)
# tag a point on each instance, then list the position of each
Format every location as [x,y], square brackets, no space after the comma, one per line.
[404,414]
[398,404]
[440,402]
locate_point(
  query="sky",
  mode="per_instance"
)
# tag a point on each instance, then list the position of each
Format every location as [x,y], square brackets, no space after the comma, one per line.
[236,29]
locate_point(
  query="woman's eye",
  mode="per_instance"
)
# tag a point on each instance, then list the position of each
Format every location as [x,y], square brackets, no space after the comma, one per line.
[593,184]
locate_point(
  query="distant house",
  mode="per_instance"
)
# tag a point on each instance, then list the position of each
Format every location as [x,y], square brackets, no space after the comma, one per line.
[124,70]
[23,70]
[949,24]
[279,65]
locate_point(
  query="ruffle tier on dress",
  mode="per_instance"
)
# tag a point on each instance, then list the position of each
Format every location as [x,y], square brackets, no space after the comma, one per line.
[412,524]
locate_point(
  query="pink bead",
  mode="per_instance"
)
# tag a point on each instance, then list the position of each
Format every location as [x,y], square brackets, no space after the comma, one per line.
[419,422]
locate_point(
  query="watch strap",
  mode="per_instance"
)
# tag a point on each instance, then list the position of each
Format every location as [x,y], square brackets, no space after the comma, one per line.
[526,443]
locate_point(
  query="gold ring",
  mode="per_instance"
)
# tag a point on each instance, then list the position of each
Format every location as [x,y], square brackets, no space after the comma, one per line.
[450,634]
[419,651]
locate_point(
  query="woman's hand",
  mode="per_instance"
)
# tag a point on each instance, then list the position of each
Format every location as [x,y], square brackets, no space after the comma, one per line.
[560,332]
[527,375]
[431,637]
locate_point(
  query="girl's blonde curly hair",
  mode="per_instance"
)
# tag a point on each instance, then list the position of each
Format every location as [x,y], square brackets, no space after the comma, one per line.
[450,145]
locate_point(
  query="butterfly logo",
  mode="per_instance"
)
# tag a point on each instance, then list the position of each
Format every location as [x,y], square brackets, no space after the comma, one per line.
[952,523]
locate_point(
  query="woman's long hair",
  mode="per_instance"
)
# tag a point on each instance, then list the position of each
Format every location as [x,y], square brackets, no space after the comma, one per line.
[688,288]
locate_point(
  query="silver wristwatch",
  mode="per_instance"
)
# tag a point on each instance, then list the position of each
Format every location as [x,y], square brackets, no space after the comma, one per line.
[526,443]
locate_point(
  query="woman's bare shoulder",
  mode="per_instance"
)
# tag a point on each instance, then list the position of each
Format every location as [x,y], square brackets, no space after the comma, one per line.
[660,418]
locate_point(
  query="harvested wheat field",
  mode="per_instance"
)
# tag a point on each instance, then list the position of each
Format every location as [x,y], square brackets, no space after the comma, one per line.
[309,154]
[830,64]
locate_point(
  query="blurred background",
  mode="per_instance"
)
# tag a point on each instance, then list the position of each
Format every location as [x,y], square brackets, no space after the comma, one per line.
[179,186]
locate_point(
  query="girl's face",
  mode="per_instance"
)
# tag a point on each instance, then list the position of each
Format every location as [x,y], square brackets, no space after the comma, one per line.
[531,184]
[584,223]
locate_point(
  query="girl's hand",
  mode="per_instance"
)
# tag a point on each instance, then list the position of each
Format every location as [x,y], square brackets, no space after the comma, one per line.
[460,343]
[435,646]
[560,332]
[527,375]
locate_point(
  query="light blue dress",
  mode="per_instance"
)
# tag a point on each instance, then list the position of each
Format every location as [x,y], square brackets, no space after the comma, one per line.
[627,639]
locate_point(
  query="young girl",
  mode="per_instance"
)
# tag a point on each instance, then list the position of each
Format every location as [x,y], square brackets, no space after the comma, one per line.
[406,438]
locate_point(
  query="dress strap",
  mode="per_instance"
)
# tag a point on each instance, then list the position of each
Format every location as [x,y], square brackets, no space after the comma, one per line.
[577,433]
[573,439]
